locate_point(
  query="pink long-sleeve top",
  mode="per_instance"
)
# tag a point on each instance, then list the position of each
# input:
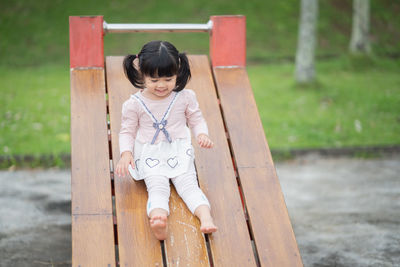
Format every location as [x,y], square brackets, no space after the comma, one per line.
[136,124]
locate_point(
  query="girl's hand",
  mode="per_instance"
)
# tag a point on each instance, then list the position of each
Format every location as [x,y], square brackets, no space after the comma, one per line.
[204,141]
[123,164]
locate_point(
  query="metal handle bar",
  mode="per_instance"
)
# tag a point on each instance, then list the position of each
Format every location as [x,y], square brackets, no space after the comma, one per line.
[123,28]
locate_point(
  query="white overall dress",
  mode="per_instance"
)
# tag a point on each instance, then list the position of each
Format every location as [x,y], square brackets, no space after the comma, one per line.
[170,158]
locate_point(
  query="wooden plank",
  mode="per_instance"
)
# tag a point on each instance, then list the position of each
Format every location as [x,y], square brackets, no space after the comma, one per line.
[136,244]
[182,247]
[91,245]
[231,245]
[185,245]
[270,223]
[90,173]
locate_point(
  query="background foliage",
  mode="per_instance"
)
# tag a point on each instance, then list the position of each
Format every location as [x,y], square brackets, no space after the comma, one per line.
[355,102]
[37,33]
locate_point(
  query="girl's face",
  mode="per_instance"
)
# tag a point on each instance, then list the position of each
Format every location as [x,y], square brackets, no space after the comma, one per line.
[159,87]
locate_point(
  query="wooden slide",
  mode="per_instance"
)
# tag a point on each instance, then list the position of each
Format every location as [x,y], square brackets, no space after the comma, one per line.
[109,222]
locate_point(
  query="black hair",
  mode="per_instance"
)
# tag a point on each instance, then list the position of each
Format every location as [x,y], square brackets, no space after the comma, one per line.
[158,59]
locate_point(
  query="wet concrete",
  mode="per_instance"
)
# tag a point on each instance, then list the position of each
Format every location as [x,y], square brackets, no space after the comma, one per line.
[345,212]
[35,221]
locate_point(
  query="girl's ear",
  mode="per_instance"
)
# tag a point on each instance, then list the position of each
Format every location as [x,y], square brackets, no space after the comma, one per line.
[183,72]
[131,72]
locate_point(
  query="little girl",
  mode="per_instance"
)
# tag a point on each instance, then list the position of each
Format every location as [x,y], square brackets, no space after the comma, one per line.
[155,141]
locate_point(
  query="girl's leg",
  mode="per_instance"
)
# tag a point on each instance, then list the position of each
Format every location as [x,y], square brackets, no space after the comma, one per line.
[188,189]
[207,223]
[157,204]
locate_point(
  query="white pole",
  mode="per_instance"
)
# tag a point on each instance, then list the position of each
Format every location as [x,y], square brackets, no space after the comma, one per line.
[123,28]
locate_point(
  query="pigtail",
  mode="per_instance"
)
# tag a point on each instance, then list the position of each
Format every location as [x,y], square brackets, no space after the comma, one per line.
[131,72]
[184,74]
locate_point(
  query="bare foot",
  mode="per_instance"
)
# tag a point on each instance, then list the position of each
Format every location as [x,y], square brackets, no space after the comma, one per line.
[207,226]
[159,226]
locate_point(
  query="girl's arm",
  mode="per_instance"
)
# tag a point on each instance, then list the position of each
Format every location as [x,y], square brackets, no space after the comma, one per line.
[129,126]
[196,121]
[127,135]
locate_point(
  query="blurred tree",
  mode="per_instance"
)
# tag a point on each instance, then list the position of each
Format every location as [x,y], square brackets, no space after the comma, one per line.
[360,33]
[305,55]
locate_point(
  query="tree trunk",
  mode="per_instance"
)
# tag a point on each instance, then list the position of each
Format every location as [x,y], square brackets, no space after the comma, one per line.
[360,32]
[305,56]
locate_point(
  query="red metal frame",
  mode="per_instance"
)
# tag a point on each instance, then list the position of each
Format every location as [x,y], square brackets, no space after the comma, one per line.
[227,41]
[86,42]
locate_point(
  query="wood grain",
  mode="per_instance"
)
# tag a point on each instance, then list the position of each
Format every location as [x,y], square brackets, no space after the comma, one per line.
[90,174]
[270,223]
[185,245]
[92,243]
[231,245]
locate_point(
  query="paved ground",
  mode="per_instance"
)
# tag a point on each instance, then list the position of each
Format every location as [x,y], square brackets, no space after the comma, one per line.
[345,212]
[35,222]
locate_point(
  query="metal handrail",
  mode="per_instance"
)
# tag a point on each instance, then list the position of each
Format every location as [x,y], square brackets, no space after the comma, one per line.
[124,28]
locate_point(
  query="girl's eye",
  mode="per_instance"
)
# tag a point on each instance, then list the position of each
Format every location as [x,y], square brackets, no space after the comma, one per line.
[168,80]
[154,81]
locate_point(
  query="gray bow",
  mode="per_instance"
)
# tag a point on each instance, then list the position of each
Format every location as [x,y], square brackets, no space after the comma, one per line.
[160,126]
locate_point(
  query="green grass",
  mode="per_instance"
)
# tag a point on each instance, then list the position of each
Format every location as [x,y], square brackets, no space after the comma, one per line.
[349,105]
[34,110]
[356,102]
